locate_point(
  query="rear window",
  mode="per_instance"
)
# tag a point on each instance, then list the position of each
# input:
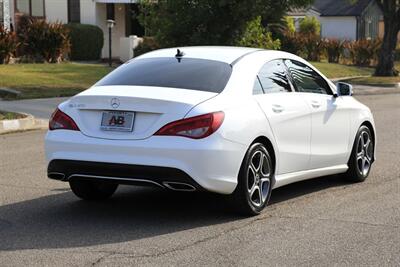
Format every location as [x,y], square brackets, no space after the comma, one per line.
[185,73]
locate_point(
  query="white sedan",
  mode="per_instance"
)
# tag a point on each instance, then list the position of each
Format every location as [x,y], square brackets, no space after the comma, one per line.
[235,121]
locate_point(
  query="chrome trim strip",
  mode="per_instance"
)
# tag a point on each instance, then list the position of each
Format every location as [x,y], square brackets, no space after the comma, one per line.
[168,185]
[115,178]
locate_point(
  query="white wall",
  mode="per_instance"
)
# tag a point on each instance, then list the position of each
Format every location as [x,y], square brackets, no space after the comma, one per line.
[56,10]
[117,32]
[88,12]
[339,27]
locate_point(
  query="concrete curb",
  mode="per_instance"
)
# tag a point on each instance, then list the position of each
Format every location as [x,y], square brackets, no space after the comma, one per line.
[27,123]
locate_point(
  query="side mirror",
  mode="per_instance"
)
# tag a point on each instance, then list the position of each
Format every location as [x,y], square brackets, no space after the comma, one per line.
[344,89]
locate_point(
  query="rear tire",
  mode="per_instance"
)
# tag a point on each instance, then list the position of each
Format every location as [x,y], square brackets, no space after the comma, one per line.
[362,155]
[92,190]
[254,182]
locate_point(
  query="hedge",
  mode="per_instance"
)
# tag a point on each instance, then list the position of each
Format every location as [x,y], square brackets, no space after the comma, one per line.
[86,41]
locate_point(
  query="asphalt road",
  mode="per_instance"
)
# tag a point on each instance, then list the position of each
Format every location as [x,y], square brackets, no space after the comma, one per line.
[320,222]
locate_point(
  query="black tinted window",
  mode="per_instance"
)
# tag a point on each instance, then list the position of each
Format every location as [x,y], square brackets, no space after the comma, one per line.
[186,73]
[306,79]
[273,77]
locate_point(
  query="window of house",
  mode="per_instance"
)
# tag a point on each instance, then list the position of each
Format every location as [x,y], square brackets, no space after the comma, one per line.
[273,77]
[306,79]
[74,11]
[33,8]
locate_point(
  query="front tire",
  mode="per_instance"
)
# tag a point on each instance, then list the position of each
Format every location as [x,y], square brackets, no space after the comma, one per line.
[92,190]
[362,155]
[254,182]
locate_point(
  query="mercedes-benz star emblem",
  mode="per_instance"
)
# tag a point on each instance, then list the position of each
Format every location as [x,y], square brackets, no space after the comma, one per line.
[115,103]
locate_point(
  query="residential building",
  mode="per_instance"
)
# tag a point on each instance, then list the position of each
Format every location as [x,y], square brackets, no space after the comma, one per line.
[344,19]
[94,12]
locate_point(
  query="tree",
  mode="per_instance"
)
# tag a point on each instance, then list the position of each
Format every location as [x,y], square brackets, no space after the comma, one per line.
[391,17]
[310,25]
[256,35]
[208,22]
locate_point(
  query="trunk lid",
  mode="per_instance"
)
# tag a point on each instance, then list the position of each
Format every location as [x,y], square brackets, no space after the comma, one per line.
[153,107]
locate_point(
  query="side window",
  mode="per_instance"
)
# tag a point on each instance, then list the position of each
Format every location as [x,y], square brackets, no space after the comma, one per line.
[306,79]
[273,77]
[257,89]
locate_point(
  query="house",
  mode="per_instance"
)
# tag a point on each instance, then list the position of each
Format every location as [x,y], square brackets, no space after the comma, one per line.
[95,12]
[344,19]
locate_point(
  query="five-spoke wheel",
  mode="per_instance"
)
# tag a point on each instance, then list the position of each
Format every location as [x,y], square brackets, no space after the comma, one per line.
[258,178]
[254,181]
[362,156]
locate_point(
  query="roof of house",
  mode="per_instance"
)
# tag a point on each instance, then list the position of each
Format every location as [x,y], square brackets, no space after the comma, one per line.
[341,7]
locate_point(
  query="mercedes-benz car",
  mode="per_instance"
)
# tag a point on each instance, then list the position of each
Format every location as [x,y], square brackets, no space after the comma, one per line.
[235,121]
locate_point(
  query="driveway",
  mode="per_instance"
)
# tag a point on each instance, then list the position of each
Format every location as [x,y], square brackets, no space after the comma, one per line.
[40,108]
[321,222]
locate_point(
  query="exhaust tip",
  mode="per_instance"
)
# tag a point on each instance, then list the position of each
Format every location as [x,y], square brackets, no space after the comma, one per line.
[176,186]
[56,175]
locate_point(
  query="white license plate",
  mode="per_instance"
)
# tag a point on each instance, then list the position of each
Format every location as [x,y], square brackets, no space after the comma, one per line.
[117,121]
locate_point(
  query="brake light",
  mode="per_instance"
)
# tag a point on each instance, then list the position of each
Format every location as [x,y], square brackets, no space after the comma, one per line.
[195,127]
[59,120]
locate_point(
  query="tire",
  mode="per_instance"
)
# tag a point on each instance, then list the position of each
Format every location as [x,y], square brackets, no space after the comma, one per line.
[92,190]
[362,156]
[254,181]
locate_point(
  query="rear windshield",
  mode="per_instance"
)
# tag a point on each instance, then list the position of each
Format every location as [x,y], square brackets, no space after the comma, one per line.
[185,73]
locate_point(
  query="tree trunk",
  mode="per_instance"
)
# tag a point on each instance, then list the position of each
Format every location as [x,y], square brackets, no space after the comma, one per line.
[385,65]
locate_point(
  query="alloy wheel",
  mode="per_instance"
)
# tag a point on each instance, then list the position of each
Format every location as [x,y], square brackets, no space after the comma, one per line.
[258,178]
[364,153]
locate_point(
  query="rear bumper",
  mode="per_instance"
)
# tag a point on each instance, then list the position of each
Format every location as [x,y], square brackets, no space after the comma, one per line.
[212,163]
[65,170]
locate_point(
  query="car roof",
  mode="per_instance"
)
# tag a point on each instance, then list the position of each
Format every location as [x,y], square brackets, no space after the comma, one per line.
[227,54]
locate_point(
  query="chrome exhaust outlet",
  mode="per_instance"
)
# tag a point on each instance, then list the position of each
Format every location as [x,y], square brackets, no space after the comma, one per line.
[56,176]
[176,186]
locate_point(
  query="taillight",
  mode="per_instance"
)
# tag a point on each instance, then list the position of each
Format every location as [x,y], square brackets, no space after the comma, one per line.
[194,127]
[59,120]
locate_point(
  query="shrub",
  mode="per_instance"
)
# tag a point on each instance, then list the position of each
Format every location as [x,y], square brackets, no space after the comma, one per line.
[43,41]
[86,41]
[363,52]
[397,53]
[333,48]
[310,25]
[256,35]
[8,45]
[290,27]
[292,43]
[148,44]
[313,46]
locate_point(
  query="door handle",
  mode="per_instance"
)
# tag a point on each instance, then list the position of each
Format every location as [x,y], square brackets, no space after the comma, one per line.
[277,108]
[315,104]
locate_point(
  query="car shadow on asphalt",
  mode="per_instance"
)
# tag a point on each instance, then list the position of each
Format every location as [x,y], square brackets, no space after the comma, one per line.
[60,220]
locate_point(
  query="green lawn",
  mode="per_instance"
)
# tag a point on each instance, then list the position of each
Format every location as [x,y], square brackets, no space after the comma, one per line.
[49,80]
[333,70]
[5,115]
